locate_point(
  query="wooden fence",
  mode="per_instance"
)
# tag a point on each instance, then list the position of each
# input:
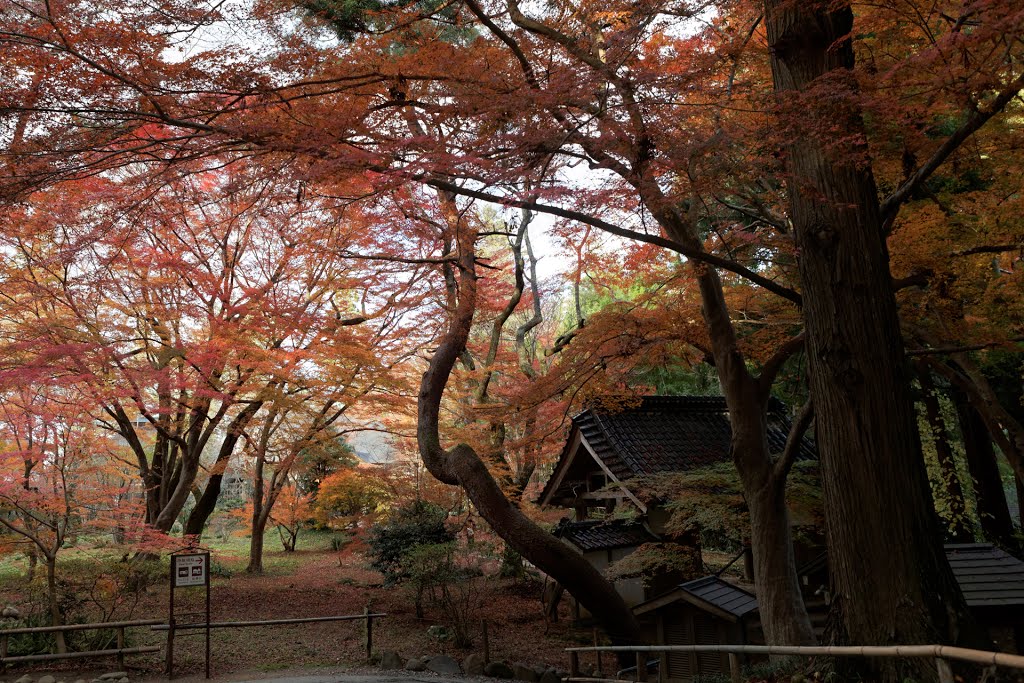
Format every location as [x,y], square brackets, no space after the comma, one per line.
[158,625]
[120,651]
[941,654]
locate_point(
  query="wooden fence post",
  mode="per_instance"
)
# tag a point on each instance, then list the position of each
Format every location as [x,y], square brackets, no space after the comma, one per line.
[641,667]
[600,669]
[945,672]
[487,643]
[369,633]
[574,664]
[170,648]
[734,668]
[120,647]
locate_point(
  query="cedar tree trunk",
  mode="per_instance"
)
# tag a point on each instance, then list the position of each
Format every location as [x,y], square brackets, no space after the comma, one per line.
[890,577]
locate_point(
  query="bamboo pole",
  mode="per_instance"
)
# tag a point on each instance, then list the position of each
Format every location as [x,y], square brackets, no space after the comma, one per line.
[81,655]
[266,622]
[936,651]
[79,627]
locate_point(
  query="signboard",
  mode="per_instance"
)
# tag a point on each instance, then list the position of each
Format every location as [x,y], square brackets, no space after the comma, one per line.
[190,570]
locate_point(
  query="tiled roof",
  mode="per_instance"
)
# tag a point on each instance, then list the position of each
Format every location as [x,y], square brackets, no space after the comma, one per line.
[598,534]
[988,576]
[722,595]
[711,594]
[668,434]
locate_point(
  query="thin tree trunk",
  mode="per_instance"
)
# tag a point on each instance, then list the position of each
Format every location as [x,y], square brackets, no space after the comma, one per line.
[52,598]
[891,581]
[784,617]
[462,466]
[775,577]
[207,503]
[959,528]
[989,495]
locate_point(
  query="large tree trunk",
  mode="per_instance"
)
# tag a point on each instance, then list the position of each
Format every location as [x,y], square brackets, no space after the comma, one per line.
[463,467]
[989,495]
[890,579]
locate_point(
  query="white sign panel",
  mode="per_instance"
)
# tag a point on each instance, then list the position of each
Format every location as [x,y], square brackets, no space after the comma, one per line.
[189,570]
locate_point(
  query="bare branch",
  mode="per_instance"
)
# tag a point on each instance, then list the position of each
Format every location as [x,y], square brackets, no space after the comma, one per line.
[793,442]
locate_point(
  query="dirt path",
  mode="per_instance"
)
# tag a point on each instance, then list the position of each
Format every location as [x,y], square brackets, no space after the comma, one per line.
[322,676]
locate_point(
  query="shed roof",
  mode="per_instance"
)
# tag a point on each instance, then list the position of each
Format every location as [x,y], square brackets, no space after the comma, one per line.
[659,434]
[604,535]
[711,594]
[988,576]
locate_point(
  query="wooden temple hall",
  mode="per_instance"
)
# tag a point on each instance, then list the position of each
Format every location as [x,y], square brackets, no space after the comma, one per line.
[609,447]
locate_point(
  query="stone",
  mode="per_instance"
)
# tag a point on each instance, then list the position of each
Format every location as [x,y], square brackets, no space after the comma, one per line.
[25,679]
[550,676]
[443,664]
[415,664]
[389,659]
[123,680]
[47,679]
[523,672]
[473,665]
[498,670]
[113,676]
[10,612]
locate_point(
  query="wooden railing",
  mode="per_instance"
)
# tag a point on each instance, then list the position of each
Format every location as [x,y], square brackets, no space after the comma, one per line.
[120,651]
[941,654]
[174,627]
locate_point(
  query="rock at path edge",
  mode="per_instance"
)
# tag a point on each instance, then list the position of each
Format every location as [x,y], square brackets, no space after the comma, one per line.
[443,664]
[498,670]
[473,665]
[389,659]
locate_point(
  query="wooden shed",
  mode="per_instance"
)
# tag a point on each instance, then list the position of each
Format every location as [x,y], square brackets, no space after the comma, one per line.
[705,611]
[991,579]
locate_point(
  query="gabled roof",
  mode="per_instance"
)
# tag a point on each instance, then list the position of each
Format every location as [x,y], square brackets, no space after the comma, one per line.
[599,534]
[660,434]
[988,576]
[711,594]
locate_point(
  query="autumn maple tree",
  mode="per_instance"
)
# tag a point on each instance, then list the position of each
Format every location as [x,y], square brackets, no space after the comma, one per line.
[51,486]
[771,144]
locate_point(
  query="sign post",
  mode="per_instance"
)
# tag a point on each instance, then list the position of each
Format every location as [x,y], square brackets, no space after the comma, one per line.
[189,569]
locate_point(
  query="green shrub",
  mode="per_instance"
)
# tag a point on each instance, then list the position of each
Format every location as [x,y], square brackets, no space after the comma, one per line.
[420,523]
